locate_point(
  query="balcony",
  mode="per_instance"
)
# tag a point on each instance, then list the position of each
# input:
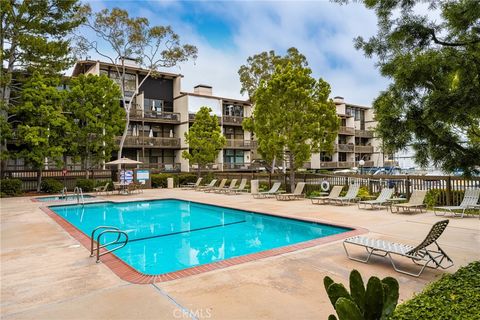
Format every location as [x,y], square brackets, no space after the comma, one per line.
[368,163]
[208,167]
[153,116]
[363,149]
[346,130]
[236,166]
[232,120]
[162,167]
[335,165]
[344,147]
[155,142]
[364,133]
[240,144]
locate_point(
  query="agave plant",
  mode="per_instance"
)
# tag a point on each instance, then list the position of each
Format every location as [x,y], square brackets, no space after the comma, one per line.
[375,302]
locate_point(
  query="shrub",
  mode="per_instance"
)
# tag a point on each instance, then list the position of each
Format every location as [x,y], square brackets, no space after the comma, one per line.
[363,193]
[159,180]
[432,198]
[314,193]
[454,296]
[209,176]
[51,186]
[185,178]
[375,301]
[11,187]
[87,185]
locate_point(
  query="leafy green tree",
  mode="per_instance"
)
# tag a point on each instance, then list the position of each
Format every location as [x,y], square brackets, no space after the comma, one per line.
[34,36]
[96,118]
[434,64]
[261,67]
[39,136]
[294,116]
[152,47]
[205,139]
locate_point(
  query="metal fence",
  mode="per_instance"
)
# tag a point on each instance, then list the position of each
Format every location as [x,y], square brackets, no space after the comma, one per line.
[451,188]
[29,177]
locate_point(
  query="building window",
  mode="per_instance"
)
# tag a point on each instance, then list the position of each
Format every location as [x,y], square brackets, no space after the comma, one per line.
[232,110]
[324,157]
[344,122]
[153,105]
[130,80]
[233,156]
[342,156]
[233,132]
[342,139]
[155,156]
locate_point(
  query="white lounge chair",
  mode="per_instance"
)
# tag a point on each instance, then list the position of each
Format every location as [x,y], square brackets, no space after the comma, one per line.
[241,188]
[351,196]
[470,200]
[232,185]
[210,185]
[381,200]
[221,185]
[420,254]
[415,202]
[190,186]
[297,193]
[270,193]
[334,193]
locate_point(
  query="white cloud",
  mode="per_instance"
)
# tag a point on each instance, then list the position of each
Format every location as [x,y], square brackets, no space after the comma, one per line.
[321,30]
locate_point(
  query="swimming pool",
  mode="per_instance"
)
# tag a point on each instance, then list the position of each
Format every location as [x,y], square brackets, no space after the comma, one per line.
[62,198]
[171,235]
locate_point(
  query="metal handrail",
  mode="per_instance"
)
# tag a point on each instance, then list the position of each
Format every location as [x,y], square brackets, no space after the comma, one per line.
[123,243]
[92,236]
[79,195]
[65,193]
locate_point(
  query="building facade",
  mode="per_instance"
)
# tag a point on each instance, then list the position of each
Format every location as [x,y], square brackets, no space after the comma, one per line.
[161,114]
[355,140]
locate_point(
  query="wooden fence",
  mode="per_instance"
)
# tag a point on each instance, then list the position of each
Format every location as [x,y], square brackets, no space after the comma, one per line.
[452,188]
[29,178]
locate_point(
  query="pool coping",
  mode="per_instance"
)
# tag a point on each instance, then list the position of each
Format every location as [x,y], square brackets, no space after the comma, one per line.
[129,274]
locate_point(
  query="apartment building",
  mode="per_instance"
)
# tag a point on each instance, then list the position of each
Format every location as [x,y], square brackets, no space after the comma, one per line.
[161,114]
[355,140]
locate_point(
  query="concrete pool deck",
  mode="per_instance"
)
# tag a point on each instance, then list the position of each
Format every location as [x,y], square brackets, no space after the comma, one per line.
[47,274]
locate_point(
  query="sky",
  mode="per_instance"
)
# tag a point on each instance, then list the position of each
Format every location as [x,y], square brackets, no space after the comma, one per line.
[226,33]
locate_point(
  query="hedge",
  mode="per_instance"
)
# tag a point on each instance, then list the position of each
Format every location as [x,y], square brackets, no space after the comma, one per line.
[159,180]
[51,186]
[454,296]
[10,187]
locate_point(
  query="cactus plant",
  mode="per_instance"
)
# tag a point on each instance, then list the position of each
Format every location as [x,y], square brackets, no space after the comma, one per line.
[375,302]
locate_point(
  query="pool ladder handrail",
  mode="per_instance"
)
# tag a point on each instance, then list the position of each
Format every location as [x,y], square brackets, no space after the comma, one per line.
[106,230]
[65,193]
[79,195]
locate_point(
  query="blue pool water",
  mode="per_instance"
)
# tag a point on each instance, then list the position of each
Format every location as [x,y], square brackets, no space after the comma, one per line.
[170,235]
[62,198]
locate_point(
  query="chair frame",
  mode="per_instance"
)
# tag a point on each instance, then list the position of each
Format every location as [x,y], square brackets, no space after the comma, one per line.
[431,258]
[297,193]
[326,199]
[220,186]
[211,184]
[470,200]
[241,188]
[413,203]
[269,193]
[350,196]
[381,200]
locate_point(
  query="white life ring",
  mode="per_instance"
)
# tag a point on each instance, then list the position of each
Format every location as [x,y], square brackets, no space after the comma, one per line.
[325,185]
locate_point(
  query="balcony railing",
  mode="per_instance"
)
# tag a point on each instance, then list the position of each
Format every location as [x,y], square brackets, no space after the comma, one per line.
[364,133]
[208,167]
[363,149]
[368,163]
[155,142]
[334,165]
[346,130]
[163,167]
[232,120]
[236,166]
[344,147]
[246,144]
[153,115]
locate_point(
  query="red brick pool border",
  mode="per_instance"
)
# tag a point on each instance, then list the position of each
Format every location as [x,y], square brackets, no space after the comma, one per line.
[127,273]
